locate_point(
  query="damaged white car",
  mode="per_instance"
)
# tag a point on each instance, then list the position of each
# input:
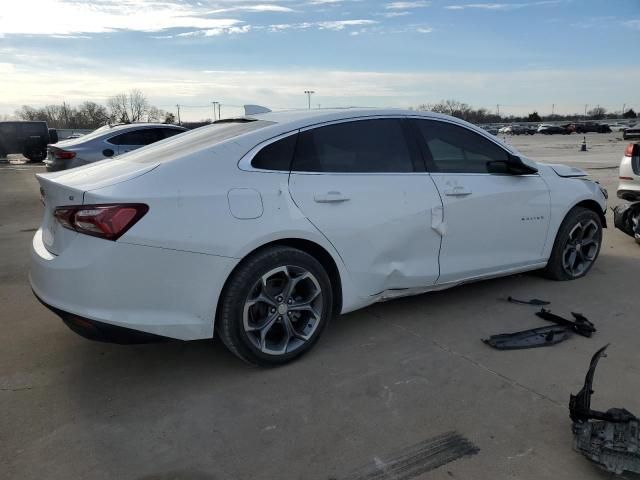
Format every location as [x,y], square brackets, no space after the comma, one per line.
[258,230]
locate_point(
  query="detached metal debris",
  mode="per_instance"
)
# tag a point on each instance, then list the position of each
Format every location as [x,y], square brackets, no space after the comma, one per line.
[611,439]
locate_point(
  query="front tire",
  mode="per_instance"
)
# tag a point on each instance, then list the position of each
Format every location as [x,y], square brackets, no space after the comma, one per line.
[577,245]
[275,306]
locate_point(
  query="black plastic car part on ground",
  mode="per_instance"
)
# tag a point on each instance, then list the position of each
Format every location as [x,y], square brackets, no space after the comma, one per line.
[611,439]
[536,337]
[581,325]
[27,138]
[533,301]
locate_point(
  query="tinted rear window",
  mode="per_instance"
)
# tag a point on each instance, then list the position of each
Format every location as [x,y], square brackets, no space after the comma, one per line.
[277,155]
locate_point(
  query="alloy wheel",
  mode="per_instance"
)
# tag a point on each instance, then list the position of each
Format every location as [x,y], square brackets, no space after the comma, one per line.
[581,248]
[283,310]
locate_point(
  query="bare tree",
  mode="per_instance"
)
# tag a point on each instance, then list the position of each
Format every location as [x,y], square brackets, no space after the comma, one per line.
[117,106]
[128,108]
[154,114]
[169,117]
[138,105]
[597,113]
[90,115]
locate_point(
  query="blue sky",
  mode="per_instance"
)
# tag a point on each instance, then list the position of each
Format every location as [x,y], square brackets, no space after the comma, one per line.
[523,55]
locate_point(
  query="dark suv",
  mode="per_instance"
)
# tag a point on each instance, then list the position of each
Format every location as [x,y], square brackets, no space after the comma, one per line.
[586,127]
[28,138]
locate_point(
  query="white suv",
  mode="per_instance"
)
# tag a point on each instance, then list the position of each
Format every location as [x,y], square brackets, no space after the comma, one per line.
[629,186]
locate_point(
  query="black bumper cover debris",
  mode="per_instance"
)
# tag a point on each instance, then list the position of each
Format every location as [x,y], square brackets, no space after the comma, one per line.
[533,301]
[581,325]
[536,337]
[611,439]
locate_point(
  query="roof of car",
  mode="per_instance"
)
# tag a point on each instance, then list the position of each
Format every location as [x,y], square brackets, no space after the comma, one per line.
[329,114]
[126,126]
[295,119]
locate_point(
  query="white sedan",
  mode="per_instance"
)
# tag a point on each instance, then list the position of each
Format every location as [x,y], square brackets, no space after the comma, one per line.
[258,230]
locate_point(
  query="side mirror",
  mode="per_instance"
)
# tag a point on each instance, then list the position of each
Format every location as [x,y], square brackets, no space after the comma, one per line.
[514,165]
[107,152]
[518,166]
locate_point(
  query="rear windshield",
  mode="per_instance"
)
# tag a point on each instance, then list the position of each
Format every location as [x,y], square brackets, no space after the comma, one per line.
[194,140]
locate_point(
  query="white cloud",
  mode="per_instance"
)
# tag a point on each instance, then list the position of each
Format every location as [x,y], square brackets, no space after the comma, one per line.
[7,68]
[341,24]
[406,5]
[501,6]
[634,24]
[335,25]
[214,32]
[424,30]
[66,17]
[254,8]
[395,14]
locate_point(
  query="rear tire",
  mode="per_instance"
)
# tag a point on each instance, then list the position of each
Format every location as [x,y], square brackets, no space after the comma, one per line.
[275,306]
[576,246]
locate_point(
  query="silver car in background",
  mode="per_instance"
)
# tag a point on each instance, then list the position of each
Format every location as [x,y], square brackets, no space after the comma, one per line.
[106,142]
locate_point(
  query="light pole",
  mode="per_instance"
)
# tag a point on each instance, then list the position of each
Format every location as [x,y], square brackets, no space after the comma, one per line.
[214,110]
[309,93]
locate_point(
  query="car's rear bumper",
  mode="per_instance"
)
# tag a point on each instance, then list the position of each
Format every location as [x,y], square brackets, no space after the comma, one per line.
[629,195]
[102,332]
[154,290]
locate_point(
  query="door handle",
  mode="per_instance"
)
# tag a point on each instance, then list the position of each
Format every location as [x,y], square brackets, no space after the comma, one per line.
[331,197]
[458,191]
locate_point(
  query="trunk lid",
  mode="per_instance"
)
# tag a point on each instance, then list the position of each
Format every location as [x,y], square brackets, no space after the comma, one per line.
[68,188]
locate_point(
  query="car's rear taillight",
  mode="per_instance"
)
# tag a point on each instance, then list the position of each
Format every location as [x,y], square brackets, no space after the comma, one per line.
[632,150]
[63,154]
[108,221]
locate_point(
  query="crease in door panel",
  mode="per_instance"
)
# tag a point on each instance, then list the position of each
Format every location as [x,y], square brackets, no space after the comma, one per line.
[443,224]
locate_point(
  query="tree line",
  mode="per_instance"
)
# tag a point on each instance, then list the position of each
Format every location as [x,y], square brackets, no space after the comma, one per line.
[122,108]
[466,112]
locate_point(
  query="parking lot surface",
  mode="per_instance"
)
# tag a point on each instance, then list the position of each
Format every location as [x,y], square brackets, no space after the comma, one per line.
[377,395]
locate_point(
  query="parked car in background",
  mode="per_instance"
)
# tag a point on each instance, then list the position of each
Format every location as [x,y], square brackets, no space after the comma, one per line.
[105,142]
[27,138]
[491,129]
[569,128]
[547,129]
[260,229]
[629,176]
[592,127]
[618,127]
[631,132]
